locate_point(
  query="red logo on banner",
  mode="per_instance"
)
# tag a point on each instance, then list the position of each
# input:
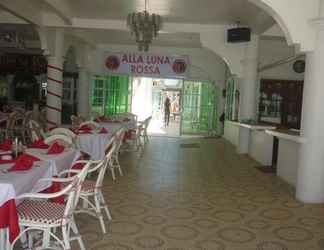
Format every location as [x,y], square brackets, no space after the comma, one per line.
[179,66]
[112,62]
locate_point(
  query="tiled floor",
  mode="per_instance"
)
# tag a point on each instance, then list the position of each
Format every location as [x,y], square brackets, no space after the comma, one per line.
[202,196]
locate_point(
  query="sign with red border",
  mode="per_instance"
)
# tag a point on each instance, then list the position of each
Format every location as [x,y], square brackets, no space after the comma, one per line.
[153,65]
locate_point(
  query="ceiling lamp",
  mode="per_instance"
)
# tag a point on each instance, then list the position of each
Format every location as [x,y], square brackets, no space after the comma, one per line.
[145,26]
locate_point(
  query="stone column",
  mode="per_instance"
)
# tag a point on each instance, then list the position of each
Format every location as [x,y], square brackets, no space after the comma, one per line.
[248,90]
[310,174]
[83,92]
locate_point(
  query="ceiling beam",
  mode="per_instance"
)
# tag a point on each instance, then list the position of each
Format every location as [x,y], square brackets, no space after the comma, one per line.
[30,12]
[62,8]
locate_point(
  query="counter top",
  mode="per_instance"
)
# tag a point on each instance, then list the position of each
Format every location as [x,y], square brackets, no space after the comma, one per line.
[287,134]
[257,126]
[252,126]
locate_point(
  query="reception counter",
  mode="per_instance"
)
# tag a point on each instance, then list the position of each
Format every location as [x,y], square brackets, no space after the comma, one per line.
[288,151]
[260,144]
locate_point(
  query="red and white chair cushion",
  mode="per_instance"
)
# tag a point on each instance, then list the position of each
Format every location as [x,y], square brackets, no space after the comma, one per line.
[33,211]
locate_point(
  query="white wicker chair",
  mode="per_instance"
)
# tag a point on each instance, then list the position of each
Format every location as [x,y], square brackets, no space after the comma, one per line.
[119,137]
[36,130]
[62,139]
[37,214]
[63,131]
[91,124]
[145,125]
[93,189]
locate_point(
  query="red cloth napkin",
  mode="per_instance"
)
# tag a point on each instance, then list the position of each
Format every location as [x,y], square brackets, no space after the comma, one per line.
[85,127]
[56,187]
[6,145]
[55,148]
[103,131]
[39,144]
[24,162]
[7,161]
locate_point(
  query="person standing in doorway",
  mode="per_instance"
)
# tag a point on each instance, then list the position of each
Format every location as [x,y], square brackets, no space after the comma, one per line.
[167,104]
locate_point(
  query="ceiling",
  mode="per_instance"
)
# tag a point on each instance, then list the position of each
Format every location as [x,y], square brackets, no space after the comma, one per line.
[186,11]
[180,11]
[184,40]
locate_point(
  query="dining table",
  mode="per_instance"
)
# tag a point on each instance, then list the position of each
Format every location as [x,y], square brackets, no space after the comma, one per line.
[15,183]
[95,143]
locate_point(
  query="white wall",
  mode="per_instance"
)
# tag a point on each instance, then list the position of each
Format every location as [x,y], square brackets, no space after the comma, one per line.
[274,50]
[206,65]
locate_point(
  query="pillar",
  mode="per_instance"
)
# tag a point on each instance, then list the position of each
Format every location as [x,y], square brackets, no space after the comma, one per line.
[54,78]
[310,174]
[83,93]
[248,90]
[54,91]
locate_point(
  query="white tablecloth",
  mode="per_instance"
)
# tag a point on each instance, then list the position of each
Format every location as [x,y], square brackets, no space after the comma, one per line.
[94,144]
[114,126]
[13,184]
[59,162]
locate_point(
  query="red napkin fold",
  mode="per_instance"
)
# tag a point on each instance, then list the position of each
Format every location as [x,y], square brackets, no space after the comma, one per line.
[24,162]
[6,145]
[103,131]
[55,148]
[39,144]
[7,161]
[85,127]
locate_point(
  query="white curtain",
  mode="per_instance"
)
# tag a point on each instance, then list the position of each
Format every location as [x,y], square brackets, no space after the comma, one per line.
[142,97]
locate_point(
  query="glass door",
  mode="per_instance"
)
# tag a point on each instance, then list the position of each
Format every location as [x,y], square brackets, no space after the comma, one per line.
[199,108]
[111,95]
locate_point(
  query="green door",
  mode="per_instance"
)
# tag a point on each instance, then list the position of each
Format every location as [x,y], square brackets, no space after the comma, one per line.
[111,95]
[199,108]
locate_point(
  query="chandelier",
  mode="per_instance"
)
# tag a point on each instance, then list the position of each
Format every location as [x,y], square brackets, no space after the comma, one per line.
[145,26]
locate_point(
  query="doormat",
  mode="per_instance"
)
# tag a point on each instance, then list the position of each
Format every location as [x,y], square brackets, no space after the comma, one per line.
[190,145]
[267,169]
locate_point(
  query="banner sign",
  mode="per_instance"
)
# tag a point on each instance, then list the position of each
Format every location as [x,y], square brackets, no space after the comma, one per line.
[159,66]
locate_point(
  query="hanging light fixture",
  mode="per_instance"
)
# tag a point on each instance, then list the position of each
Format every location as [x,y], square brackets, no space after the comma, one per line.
[145,26]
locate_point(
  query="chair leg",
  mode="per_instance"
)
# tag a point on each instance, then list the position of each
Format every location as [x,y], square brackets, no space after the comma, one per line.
[112,173]
[105,206]
[77,234]
[99,214]
[118,165]
[46,238]
[66,238]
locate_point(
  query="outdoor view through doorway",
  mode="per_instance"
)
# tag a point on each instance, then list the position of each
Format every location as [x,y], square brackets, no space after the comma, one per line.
[193,105]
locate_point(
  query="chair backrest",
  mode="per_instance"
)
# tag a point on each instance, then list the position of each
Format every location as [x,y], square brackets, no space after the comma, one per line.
[101,167]
[73,190]
[91,124]
[36,130]
[76,120]
[63,131]
[119,137]
[27,117]
[61,139]
[11,120]
[42,119]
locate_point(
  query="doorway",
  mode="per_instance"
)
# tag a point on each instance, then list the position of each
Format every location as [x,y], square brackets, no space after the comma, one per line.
[148,99]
